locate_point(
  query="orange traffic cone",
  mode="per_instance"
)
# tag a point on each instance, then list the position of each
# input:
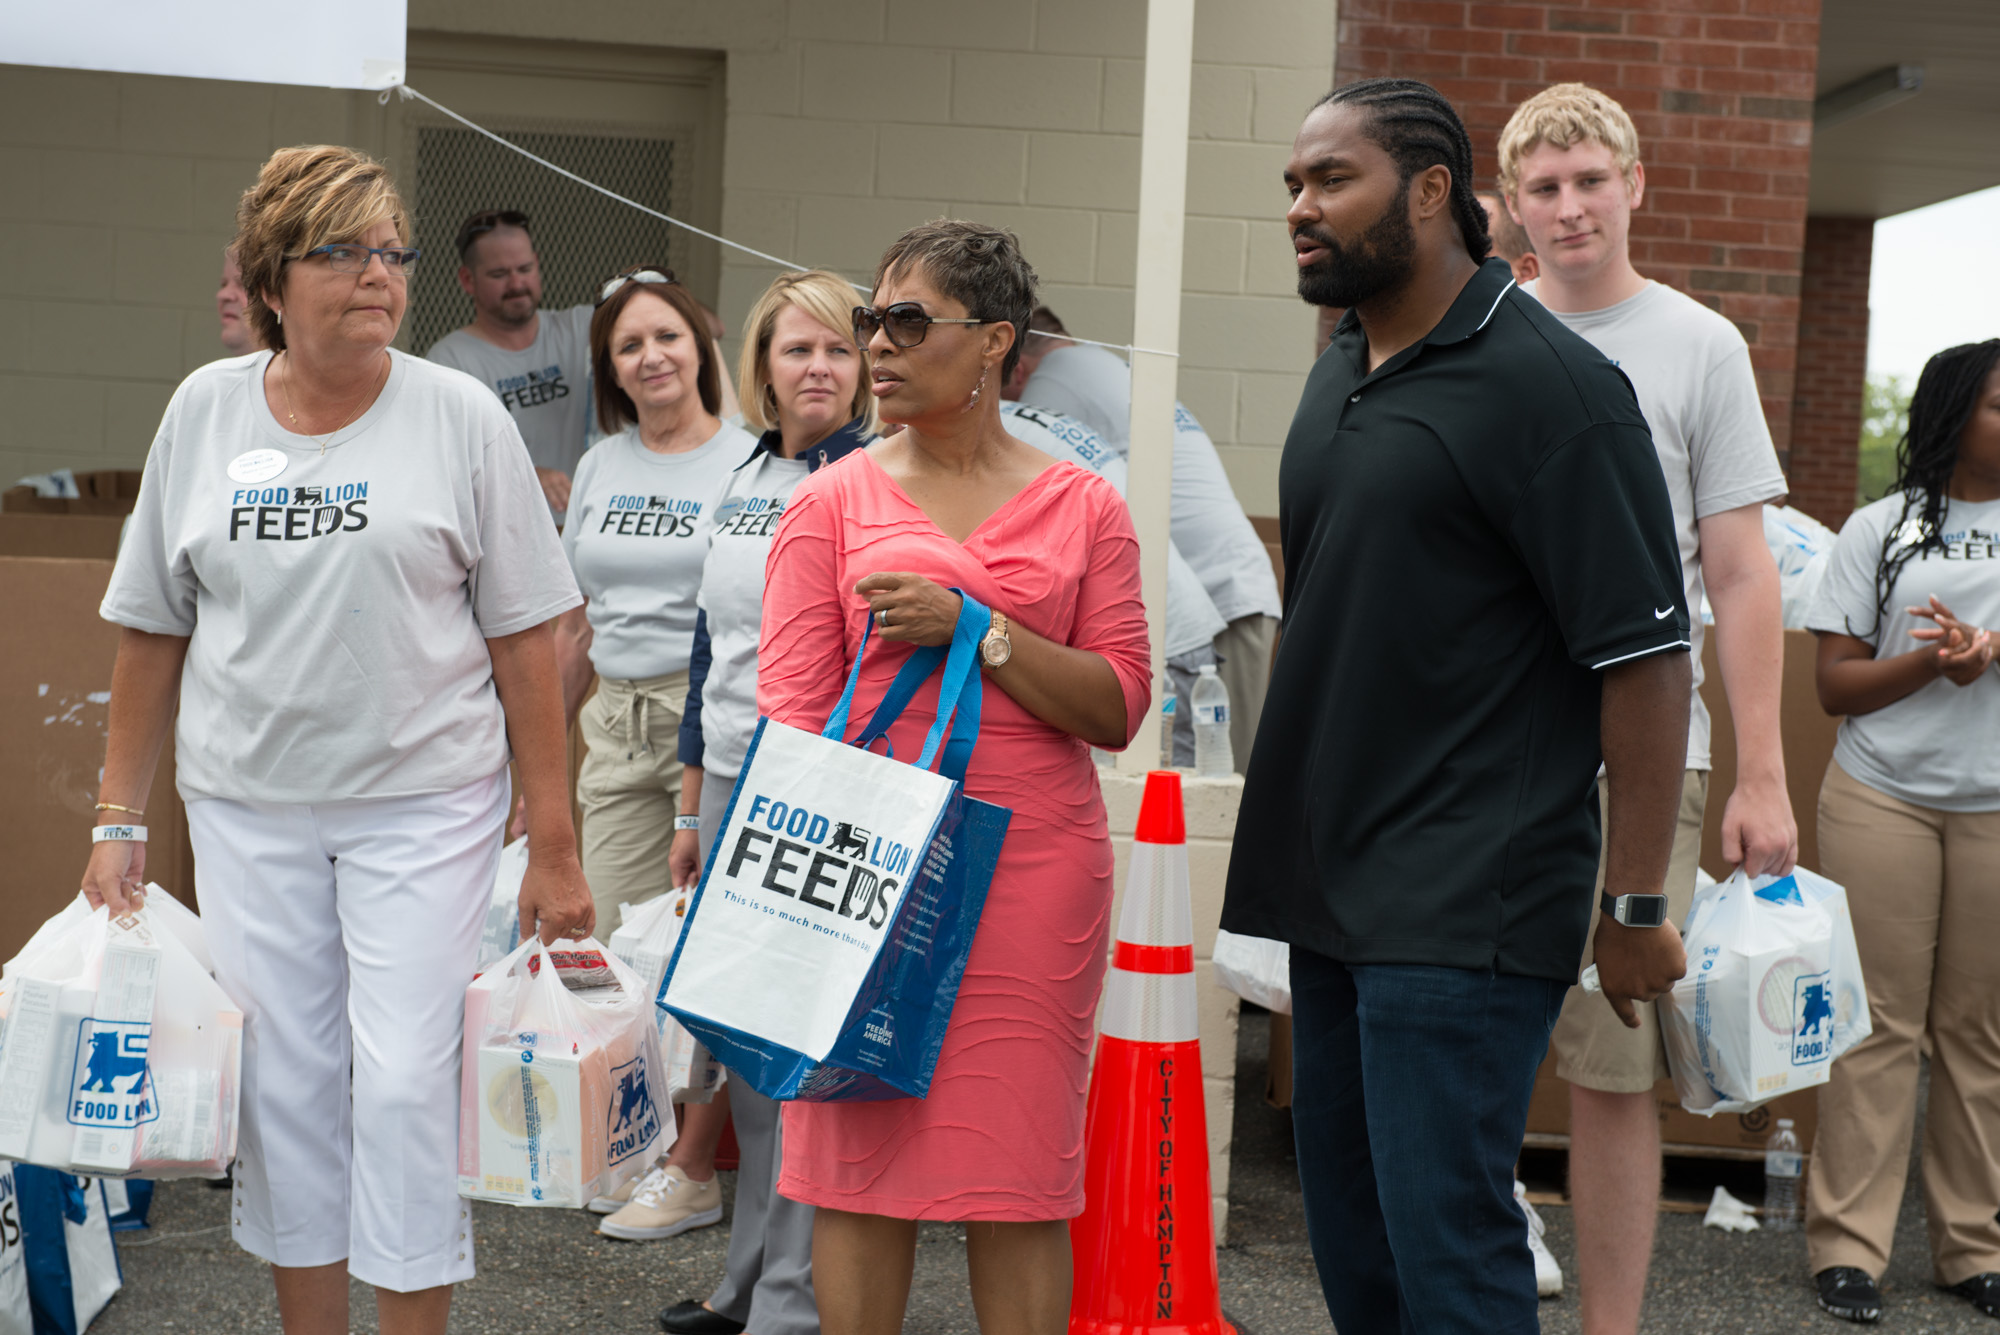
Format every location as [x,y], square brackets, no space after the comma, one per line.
[1144,1246]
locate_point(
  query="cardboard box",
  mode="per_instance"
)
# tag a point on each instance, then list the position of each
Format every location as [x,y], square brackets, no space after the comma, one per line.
[1807,734]
[61,537]
[1725,1136]
[109,491]
[55,694]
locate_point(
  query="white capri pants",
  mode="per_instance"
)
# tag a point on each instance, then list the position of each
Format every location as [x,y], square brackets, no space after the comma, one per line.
[347,932]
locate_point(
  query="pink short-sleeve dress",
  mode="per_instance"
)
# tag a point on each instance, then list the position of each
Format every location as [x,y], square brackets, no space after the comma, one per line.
[1001,1135]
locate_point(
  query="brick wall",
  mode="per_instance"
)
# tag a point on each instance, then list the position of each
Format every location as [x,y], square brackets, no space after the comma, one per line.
[1833,366]
[1721,92]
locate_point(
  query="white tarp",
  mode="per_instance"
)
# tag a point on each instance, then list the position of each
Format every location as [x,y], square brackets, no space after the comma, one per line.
[354,45]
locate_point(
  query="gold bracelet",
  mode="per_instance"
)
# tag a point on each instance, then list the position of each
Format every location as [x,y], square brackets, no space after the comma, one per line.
[113,806]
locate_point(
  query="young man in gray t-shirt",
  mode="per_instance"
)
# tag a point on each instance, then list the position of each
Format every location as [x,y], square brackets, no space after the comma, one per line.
[537,362]
[1570,175]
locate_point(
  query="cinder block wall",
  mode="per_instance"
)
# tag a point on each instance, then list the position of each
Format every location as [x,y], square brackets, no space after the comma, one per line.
[120,194]
[1721,92]
[1211,824]
[847,121]
[1833,366]
[872,115]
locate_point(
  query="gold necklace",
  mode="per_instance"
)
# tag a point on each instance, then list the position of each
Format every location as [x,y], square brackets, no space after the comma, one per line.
[285,388]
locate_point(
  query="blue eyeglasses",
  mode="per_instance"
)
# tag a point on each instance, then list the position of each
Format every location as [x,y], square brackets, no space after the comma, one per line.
[398,260]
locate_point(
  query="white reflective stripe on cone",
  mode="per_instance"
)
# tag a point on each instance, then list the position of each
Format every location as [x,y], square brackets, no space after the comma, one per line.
[1157,908]
[1150,1007]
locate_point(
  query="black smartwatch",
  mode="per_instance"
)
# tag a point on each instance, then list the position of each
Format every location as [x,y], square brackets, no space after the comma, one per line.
[1634,910]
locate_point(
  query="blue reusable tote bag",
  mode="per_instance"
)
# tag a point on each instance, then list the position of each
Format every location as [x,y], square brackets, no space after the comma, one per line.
[822,954]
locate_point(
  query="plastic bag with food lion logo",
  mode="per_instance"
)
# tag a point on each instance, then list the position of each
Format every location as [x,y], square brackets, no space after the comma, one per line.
[561,1100]
[1754,1017]
[823,953]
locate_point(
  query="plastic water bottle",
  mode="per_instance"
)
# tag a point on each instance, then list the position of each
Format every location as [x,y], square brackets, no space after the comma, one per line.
[1782,1163]
[1211,726]
[1169,712]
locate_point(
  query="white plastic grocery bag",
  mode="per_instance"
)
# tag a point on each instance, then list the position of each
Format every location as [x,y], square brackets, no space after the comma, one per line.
[1851,1020]
[1754,1016]
[645,939]
[502,931]
[1255,968]
[560,1094]
[119,1054]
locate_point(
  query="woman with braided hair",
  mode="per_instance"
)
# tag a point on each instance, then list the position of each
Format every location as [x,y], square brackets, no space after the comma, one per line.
[1909,822]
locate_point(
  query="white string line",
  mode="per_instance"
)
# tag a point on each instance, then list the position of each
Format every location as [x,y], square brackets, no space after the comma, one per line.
[409,92]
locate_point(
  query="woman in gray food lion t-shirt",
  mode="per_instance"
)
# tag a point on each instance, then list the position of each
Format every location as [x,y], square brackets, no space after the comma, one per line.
[342,570]
[1909,822]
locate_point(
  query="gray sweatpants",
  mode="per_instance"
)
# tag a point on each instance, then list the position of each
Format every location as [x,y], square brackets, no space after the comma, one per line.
[767,1282]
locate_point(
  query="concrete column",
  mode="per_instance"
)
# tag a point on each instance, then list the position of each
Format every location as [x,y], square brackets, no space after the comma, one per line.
[1156,324]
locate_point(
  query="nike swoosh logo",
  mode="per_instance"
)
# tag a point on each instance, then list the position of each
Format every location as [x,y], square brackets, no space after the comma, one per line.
[1663,613]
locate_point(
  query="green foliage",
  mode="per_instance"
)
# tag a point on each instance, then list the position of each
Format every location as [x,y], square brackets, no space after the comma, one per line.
[1885,416]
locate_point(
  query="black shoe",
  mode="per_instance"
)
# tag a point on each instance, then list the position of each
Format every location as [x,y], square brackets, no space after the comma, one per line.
[691,1318]
[1849,1293]
[1982,1291]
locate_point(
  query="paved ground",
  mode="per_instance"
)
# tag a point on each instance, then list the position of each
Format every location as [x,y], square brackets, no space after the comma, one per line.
[545,1270]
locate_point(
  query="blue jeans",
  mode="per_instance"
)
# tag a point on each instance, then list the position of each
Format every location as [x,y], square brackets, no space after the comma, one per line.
[1410,1089]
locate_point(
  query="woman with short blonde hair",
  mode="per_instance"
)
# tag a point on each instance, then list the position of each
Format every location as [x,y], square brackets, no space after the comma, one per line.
[341,569]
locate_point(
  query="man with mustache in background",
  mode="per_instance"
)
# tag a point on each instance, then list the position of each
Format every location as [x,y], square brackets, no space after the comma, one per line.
[536,361]
[1482,601]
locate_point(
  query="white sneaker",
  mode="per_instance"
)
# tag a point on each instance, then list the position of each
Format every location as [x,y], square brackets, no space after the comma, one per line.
[614,1201]
[1548,1275]
[665,1204]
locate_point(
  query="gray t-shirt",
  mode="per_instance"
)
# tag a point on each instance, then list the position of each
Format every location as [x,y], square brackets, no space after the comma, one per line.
[1192,619]
[338,603]
[1935,746]
[636,536]
[1094,387]
[545,386]
[1691,372]
[747,511]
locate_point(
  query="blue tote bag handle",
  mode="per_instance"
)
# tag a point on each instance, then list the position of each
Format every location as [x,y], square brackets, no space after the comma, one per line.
[958,707]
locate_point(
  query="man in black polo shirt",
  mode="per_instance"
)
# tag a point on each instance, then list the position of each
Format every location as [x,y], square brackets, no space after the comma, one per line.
[1483,599]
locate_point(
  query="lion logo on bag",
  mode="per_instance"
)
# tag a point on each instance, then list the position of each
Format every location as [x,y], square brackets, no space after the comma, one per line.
[108,1065]
[1818,1010]
[633,1100]
[635,1118]
[847,839]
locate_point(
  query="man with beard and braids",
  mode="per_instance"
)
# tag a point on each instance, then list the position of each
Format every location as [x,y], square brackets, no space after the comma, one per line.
[536,361]
[1482,603]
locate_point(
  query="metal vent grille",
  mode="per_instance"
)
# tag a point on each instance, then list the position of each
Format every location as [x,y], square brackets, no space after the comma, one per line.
[582,237]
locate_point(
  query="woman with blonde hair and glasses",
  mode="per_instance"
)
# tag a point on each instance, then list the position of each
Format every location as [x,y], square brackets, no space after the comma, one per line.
[635,535]
[342,571]
[803,381]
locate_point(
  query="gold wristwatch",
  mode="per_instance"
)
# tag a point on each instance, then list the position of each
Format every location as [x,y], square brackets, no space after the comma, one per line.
[995,648]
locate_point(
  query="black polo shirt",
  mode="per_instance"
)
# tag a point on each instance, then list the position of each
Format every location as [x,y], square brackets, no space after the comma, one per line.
[1470,533]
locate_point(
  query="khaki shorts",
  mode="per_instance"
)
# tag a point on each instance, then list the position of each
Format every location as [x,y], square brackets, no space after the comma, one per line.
[1592,1045]
[630,790]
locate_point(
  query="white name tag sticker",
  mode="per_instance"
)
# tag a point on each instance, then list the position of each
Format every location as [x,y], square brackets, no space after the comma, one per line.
[257,465]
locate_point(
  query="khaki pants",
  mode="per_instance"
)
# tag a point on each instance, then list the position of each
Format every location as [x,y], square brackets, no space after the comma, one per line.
[1244,646]
[1924,888]
[630,790]
[1593,1047]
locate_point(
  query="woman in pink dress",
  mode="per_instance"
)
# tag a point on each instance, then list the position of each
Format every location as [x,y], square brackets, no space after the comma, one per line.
[953,501]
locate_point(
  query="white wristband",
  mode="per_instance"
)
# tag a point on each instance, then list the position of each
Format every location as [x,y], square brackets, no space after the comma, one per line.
[134,834]
[687,823]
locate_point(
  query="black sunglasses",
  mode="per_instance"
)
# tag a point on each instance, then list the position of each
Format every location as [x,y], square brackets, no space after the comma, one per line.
[905,322]
[479,224]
